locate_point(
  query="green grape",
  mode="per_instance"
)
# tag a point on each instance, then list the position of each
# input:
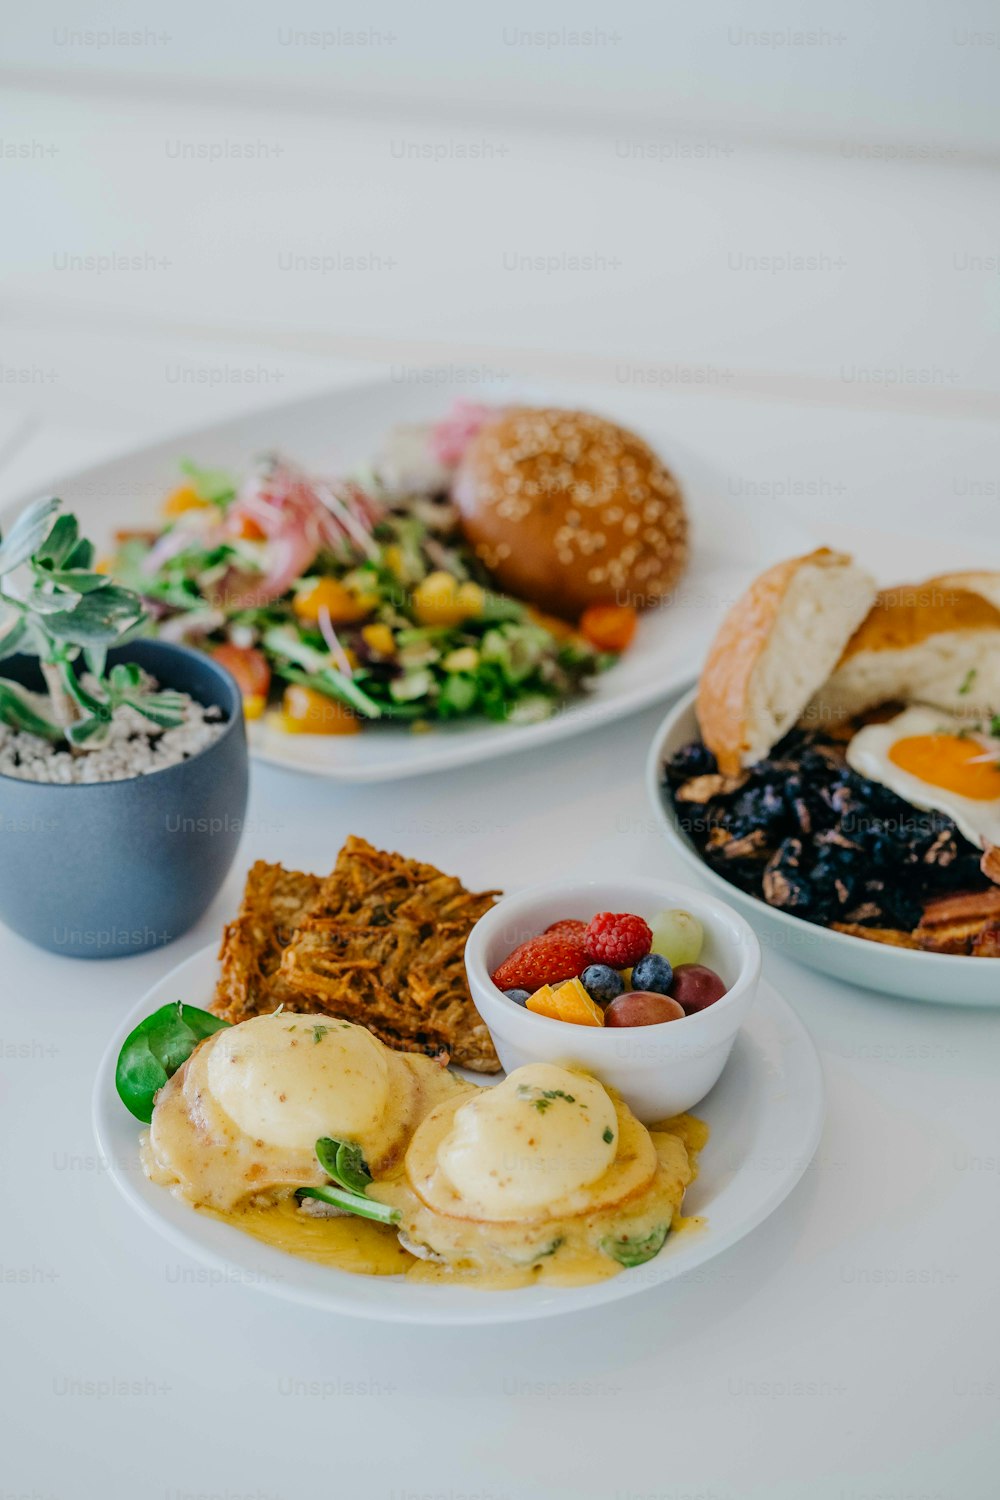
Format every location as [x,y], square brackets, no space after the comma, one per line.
[678,936]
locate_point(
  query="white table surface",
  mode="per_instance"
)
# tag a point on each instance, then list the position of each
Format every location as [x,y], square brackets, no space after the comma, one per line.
[847,1349]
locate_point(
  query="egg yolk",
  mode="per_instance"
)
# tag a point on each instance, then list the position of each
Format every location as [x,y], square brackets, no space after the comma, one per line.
[951,763]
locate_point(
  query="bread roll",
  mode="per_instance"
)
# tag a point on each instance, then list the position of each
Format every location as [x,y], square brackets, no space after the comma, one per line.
[929,643]
[776,646]
[567,510]
[987,584]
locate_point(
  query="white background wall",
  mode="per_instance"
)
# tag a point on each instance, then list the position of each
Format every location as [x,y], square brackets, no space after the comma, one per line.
[923,72]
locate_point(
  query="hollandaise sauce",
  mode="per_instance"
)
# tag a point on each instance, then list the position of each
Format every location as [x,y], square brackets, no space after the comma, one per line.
[348,1243]
[480,1255]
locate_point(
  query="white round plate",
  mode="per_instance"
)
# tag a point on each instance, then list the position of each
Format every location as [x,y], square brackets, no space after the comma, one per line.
[765,1114]
[335,432]
[944,978]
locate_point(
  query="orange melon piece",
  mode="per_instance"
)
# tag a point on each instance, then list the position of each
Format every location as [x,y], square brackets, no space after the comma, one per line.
[574,1004]
[541,1002]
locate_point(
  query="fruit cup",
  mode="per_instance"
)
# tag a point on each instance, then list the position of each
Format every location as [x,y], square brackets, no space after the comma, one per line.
[659,1070]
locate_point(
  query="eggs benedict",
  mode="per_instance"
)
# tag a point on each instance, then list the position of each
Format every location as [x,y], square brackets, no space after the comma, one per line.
[306,1132]
[242,1116]
[545,1174]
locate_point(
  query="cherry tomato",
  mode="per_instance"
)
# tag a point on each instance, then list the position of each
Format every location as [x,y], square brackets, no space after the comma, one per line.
[696,987]
[248,666]
[244,527]
[642,1008]
[609,627]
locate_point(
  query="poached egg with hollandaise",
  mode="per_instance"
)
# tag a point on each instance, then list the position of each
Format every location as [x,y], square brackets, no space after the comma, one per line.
[546,1171]
[241,1118]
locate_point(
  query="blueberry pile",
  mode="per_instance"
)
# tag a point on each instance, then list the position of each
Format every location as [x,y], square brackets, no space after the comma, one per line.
[805,833]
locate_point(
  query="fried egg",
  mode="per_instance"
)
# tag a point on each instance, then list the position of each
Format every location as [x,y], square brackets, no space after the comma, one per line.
[925,758]
[242,1116]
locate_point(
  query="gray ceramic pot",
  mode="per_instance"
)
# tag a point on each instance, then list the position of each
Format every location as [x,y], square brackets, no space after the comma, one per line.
[122,866]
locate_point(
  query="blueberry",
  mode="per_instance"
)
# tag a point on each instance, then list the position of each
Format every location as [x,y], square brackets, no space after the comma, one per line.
[602,983]
[518,996]
[654,972]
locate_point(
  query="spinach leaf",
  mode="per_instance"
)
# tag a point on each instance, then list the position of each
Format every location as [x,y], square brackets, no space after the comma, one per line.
[352,1203]
[154,1051]
[343,1161]
[636,1252]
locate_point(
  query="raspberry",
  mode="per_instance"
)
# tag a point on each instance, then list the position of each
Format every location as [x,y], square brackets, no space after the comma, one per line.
[619,939]
[545,959]
[568,927]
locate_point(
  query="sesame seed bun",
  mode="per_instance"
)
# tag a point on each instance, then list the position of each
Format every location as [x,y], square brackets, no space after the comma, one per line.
[567,510]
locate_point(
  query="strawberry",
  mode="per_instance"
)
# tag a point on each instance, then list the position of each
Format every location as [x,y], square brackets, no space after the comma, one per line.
[546,959]
[568,927]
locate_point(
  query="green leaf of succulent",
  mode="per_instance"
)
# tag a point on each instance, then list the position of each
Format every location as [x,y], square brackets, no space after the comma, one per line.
[41,599]
[16,711]
[96,658]
[154,1051]
[82,556]
[13,637]
[59,545]
[166,710]
[125,677]
[100,708]
[26,534]
[98,618]
[76,580]
[91,731]
[628,1252]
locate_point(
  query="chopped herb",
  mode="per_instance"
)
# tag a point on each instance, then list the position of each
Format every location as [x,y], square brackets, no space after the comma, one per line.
[609,1135]
[542,1099]
[970,678]
[319,1032]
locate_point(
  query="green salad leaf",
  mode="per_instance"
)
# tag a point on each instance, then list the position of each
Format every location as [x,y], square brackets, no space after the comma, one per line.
[154,1051]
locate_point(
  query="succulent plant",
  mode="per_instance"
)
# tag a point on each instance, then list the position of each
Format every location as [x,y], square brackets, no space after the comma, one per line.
[54,604]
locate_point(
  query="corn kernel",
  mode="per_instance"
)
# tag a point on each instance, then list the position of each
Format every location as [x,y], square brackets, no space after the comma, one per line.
[465,659]
[185,497]
[379,638]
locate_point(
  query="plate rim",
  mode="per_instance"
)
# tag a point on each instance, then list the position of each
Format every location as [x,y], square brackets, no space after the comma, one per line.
[471,1307]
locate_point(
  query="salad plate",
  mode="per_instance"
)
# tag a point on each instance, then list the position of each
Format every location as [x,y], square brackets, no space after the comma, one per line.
[765,1117]
[337,434]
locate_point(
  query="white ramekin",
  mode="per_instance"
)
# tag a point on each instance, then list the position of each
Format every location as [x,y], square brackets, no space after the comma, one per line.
[659,1070]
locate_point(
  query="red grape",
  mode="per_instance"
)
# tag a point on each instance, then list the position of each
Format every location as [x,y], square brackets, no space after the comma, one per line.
[696,987]
[642,1008]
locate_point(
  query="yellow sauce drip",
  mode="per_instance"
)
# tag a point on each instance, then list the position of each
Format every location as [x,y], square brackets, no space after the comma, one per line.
[348,1243]
[368,1249]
